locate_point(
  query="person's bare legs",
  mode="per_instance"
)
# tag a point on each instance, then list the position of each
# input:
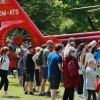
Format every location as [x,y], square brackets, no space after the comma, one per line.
[20,80]
[38,88]
[48,87]
[31,86]
[53,94]
[43,85]
[48,93]
[5,92]
[26,86]
[44,90]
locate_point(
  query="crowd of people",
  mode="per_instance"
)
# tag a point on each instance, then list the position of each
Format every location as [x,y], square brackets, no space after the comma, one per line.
[80,68]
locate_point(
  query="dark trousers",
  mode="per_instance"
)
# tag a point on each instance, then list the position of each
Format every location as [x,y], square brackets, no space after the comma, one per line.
[91,92]
[80,88]
[4,80]
[24,80]
[11,71]
[68,94]
[37,77]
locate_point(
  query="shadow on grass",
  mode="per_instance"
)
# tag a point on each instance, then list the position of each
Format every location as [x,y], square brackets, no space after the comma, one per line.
[58,96]
[12,97]
[16,85]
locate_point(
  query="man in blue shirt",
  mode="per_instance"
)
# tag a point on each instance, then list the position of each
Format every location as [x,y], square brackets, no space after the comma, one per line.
[97,52]
[55,69]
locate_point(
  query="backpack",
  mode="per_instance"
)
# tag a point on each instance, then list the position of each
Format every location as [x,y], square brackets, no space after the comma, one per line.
[72,68]
[2,60]
[39,58]
[20,63]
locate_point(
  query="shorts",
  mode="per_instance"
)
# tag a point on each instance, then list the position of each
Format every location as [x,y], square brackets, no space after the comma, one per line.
[29,77]
[20,73]
[54,83]
[45,72]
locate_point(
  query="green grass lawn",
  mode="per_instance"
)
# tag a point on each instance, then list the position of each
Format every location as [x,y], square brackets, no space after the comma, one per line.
[16,92]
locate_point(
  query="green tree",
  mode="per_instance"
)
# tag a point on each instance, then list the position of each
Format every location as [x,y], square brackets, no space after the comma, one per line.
[46,14]
[82,20]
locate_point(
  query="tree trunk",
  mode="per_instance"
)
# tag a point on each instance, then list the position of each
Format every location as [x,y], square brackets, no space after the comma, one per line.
[91,24]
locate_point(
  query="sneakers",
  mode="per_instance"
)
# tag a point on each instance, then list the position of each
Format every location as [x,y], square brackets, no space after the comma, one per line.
[31,93]
[25,92]
[86,98]
[20,85]
[34,90]
[6,95]
[81,96]
[57,92]
[48,93]
[42,94]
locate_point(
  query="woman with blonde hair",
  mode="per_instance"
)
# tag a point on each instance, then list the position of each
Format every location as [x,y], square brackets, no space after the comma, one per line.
[38,77]
[91,74]
[68,79]
[4,66]
[88,56]
[93,43]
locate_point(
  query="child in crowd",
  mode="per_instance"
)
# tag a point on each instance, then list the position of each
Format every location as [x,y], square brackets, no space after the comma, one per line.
[98,67]
[91,74]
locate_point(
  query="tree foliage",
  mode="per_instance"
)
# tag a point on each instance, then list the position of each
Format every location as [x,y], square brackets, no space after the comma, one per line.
[82,19]
[46,14]
[55,16]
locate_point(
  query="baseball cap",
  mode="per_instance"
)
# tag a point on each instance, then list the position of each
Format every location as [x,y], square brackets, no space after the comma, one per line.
[30,47]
